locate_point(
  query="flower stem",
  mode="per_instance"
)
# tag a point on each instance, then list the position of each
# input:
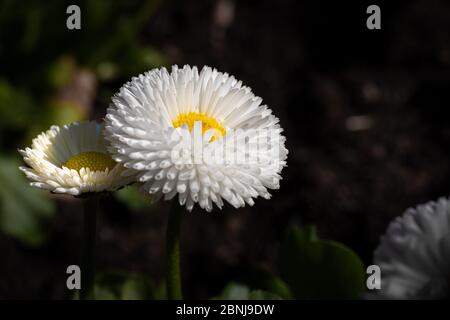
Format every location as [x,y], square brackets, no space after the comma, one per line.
[91,206]
[173,275]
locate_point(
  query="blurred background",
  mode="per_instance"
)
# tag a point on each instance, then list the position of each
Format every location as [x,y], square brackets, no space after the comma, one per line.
[364,113]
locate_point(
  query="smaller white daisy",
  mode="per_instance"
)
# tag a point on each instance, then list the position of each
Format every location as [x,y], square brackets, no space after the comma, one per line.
[414,254]
[73,160]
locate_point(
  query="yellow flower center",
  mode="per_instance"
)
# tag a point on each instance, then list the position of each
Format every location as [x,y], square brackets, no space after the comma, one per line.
[95,161]
[207,123]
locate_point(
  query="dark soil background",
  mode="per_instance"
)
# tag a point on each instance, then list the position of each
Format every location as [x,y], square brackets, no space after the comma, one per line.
[364,113]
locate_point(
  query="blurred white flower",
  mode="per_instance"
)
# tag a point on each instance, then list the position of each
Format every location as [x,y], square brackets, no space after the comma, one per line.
[200,135]
[72,159]
[414,255]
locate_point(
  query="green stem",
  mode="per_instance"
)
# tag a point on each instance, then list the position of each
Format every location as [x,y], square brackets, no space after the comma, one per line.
[91,206]
[173,275]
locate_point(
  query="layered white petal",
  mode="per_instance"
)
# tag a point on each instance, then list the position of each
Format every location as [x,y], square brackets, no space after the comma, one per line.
[182,161]
[51,149]
[414,254]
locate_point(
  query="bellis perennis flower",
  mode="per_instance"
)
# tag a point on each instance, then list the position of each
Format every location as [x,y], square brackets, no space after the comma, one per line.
[414,255]
[201,136]
[73,160]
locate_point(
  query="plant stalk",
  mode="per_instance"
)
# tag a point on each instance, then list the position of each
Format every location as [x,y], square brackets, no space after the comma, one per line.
[90,212]
[173,274]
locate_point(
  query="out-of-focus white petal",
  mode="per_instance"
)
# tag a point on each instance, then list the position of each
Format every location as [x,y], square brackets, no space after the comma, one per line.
[414,254]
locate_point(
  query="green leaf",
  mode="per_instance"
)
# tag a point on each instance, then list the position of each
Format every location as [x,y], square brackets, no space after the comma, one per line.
[60,112]
[60,72]
[54,112]
[24,211]
[277,287]
[16,106]
[319,269]
[262,295]
[119,285]
[236,291]
[150,57]
[262,280]
[133,199]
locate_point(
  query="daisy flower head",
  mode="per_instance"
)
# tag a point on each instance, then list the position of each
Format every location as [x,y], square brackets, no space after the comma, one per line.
[414,254]
[201,136]
[72,159]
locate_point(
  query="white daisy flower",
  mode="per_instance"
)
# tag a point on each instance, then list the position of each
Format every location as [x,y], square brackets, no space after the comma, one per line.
[201,136]
[414,255]
[72,160]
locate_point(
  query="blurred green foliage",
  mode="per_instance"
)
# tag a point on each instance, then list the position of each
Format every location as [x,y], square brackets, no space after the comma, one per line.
[110,33]
[265,282]
[135,200]
[320,269]
[52,75]
[236,291]
[124,286]
[310,268]
[256,284]
[24,211]
[121,285]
